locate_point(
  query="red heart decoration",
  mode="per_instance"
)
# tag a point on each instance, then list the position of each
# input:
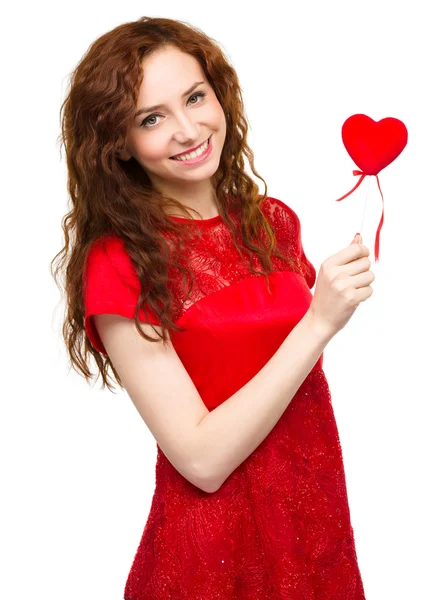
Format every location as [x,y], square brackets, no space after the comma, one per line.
[371,144]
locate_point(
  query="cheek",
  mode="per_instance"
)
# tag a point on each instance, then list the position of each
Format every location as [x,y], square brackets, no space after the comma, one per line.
[218,112]
[151,148]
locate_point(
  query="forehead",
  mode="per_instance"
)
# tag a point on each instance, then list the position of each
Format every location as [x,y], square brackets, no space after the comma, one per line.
[168,72]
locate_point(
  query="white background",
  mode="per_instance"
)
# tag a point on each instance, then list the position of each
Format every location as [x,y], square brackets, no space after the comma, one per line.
[78,462]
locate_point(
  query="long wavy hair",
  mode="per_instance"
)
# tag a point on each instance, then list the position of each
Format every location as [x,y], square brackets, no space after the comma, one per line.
[113,196]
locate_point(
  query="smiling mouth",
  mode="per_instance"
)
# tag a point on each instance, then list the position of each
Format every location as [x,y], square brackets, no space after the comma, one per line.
[190,151]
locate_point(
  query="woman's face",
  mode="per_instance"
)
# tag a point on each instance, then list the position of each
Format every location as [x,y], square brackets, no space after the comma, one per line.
[183,122]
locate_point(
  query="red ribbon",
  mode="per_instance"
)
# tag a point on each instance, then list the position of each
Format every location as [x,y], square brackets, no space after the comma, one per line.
[355,172]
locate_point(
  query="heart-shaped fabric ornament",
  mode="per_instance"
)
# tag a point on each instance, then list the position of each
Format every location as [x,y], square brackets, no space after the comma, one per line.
[373,145]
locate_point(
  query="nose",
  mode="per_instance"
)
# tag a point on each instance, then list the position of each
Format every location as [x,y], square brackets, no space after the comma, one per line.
[187,132]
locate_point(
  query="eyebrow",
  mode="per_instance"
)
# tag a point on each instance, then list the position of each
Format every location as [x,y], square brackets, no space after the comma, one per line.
[146,110]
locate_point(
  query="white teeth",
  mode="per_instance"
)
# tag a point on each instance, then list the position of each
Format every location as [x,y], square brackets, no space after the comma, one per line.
[194,154]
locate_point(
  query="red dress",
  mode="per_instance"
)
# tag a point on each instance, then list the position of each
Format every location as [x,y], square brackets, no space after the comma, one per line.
[279,527]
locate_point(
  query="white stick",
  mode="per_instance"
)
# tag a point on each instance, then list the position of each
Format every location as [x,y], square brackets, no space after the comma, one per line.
[365,203]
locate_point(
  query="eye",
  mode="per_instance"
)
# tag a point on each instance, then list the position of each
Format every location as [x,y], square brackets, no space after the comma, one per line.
[144,122]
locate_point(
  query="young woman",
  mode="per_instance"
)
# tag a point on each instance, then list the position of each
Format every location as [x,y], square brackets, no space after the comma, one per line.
[171,242]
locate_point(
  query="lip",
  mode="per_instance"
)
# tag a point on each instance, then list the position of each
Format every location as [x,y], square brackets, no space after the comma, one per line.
[189,151]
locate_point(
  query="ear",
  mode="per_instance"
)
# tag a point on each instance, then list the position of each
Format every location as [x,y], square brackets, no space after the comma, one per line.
[124,155]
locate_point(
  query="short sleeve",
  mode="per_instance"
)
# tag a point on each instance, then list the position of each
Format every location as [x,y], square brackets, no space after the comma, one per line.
[110,286]
[294,231]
